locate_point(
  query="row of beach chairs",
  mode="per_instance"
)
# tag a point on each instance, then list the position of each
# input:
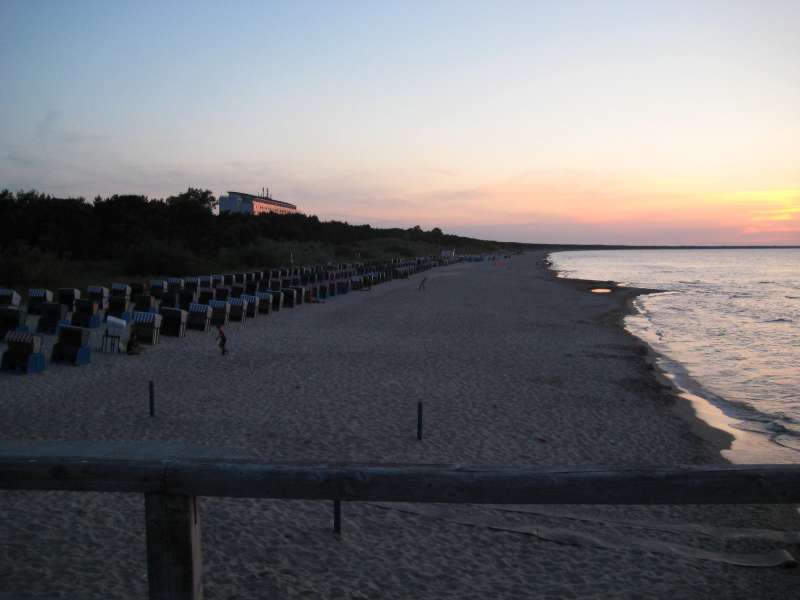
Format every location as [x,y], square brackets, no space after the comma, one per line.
[171,306]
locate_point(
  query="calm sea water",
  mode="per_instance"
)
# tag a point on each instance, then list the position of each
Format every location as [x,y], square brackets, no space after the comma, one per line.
[727,323]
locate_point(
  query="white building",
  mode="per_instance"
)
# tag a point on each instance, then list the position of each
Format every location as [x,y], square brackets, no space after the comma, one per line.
[239,202]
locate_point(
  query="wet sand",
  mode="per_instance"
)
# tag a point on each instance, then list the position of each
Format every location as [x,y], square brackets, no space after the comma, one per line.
[513,366]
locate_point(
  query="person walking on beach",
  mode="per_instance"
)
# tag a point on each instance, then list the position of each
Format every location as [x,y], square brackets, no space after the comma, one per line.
[223,339]
[421,287]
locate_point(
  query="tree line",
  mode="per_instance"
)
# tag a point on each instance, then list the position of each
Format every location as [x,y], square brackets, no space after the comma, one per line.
[174,231]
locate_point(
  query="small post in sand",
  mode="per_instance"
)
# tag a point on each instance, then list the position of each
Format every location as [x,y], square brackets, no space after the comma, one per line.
[419,421]
[337,516]
[152,399]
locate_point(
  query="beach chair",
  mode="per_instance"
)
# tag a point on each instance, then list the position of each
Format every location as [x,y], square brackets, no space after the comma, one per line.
[229,279]
[294,284]
[137,289]
[9,297]
[264,305]
[238,310]
[220,312]
[223,292]
[147,326]
[206,282]
[144,303]
[217,280]
[99,294]
[240,278]
[342,283]
[185,298]
[277,300]
[115,338]
[86,314]
[37,297]
[11,318]
[158,287]
[289,297]
[67,297]
[174,284]
[53,314]
[331,284]
[191,283]
[206,295]
[169,300]
[237,290]
[173,322]
[119,307]
[253,303]
[199,316]
[23,353]
[72,346]
[120,290]
[251,287]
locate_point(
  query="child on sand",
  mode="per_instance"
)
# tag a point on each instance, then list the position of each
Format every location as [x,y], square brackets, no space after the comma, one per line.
[223,339]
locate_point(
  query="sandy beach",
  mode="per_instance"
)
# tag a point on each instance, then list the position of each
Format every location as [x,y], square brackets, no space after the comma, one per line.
[513,365]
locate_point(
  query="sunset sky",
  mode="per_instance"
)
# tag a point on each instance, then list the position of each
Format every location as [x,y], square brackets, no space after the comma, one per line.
[596,122]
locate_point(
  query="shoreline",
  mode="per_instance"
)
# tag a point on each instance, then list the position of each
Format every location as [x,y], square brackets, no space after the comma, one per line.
[705,418]
[716,440]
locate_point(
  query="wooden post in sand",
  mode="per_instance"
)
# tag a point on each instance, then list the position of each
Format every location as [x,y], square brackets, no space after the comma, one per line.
[337,516]
[419,420]
[152,398]
[174,567]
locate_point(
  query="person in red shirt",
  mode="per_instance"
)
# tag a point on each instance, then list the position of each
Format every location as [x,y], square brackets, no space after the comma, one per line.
[223,339]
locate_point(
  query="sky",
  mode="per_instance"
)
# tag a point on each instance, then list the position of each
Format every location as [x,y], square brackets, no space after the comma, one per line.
[567,121]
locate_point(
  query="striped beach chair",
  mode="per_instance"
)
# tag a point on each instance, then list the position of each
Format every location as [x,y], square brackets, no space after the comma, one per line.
[72,346]
[67,297]
[147,326]
[238,311]
[24,353]
[53,314]
[99,294]
[158,287]
[174,284]
[199,316]
[121,290]
[37,297]
[9,297]
[174,322]
[265,306]
[191,283]
[86,314]
[220,312]
[185,298]
[206,295]
[253,304]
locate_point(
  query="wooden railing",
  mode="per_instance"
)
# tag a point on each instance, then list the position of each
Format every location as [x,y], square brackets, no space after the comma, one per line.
[171,487]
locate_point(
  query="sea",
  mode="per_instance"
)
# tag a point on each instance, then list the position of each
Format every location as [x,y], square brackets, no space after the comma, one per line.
[726,329]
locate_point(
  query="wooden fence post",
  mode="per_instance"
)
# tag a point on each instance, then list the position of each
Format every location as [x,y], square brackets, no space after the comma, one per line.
[174,567]
[337,516]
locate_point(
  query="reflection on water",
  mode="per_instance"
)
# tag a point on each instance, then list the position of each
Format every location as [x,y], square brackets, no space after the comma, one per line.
[728,325]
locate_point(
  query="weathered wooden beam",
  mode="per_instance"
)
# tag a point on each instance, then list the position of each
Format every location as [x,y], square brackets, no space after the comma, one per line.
[81,474]
[708,484]
[174,567]
[491,484]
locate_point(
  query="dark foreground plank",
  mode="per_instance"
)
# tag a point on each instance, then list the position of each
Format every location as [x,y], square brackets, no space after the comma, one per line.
[708,484]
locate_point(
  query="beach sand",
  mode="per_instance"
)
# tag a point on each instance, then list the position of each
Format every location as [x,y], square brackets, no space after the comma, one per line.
[513,366]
